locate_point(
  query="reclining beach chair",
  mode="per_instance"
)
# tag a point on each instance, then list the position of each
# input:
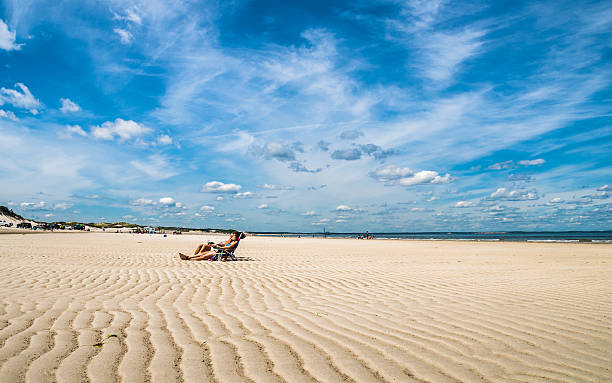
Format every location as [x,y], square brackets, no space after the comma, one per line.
[226,253]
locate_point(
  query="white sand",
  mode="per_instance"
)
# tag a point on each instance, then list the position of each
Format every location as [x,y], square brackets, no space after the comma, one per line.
[303,310]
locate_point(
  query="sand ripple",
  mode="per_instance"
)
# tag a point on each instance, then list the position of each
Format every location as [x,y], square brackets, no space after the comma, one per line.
[120,307]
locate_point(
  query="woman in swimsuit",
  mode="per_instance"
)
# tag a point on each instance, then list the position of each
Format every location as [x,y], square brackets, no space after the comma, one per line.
[207,251]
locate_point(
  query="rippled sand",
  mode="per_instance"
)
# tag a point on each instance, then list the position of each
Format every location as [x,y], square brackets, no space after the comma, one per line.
[303,310]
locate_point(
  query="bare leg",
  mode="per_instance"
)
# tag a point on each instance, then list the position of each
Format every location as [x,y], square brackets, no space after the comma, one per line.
[203,256]
[202,248]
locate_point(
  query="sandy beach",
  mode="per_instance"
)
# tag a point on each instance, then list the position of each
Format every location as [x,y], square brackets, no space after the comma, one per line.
[104,307]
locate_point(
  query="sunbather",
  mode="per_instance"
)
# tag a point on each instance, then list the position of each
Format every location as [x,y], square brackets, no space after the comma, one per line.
[206,251]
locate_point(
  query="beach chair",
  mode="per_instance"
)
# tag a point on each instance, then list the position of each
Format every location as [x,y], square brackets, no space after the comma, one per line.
[226,253]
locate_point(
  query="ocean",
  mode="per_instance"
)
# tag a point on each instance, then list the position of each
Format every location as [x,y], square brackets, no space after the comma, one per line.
[514,236]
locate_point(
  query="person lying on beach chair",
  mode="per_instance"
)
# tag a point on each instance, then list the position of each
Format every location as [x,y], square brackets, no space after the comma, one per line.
[220,251]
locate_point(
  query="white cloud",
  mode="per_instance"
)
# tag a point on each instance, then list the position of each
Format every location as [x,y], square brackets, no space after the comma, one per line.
[604,188]
[33,205]
[263,206]
[73,129]
[464,204]
[142,202]
[343,208]
[20,99]
[341,220]
[309,213]
[513,195]
[122,129]
[324,220]
[417,209]
[502,165]
[275,187]
[69,106]
[555,200]
[235,219]
[219,198]
[433,198]
[125,36]
[538,161]
[164,139]
[102,133]
[425,177]
[497,209]
[7,38]
[275,150]
[243,195]
[131,14]
[88,196]
[220,187]
[166,201]
[389,173]
[207,208]
[8,115]
[600,195]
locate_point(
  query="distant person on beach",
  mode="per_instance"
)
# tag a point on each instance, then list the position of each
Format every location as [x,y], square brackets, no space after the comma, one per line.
[206,251]
[366,235]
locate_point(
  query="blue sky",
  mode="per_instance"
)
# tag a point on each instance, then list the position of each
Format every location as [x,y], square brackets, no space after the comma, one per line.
[385,116]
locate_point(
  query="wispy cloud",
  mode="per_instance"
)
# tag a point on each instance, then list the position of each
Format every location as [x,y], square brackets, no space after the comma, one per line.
[156,167]
[275,187]
[538,161]
[445,52]
[131,14]
[124,36]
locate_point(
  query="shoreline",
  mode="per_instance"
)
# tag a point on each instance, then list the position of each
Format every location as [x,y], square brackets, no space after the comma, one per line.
[6,231]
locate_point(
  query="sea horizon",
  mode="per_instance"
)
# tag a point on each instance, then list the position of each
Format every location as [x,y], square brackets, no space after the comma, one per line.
[586,236]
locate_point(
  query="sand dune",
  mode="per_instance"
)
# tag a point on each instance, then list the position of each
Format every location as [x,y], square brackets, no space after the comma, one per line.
[120,307]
